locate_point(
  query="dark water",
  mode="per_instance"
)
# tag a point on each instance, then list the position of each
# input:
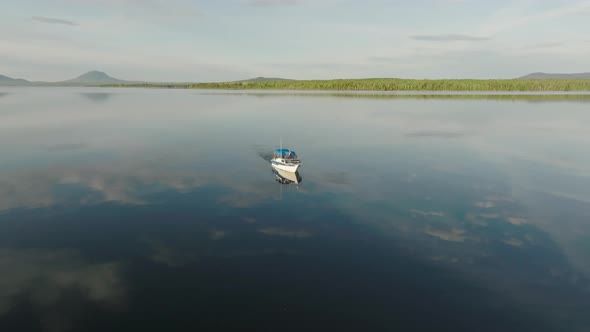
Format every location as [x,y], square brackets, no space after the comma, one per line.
[157,210]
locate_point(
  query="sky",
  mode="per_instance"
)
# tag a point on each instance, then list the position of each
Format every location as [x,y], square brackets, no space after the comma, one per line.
[198,40]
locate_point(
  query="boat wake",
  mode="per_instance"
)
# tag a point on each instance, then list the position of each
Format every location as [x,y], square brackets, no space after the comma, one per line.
[263,152]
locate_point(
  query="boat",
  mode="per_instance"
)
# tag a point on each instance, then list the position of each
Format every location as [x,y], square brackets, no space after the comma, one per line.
[285,160]
[285,177]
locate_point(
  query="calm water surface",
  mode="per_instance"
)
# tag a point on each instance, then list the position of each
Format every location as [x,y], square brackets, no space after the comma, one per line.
[137,210]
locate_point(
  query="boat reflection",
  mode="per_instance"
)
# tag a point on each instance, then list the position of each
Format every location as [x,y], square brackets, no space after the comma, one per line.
[285,177]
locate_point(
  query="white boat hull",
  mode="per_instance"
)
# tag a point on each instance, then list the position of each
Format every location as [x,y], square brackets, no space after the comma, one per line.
[292,177]
[285,167]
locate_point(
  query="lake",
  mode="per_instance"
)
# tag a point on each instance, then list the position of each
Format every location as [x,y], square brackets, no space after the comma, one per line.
[147,209]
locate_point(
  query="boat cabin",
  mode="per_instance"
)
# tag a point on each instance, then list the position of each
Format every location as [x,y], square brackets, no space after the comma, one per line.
[286,156]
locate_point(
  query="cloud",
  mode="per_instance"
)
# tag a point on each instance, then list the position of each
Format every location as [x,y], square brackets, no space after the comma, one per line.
[511,17]
[52,20]
[450,38]
[66,147]
[435,134]
[268,3]
[165,254]
[157,12]
[513,242]
[292,233]
[427,213]
[485,204]
[453,235]
[34,189]
[546,45]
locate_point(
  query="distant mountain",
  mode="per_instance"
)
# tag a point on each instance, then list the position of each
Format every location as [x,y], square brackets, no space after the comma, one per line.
[94,77]
[535,76]
[5,80]
[265,79]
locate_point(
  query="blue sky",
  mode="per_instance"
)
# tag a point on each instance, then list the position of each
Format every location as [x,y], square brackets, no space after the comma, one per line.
[182,40]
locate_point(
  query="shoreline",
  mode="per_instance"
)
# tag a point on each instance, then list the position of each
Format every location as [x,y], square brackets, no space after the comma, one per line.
[397,85]
[528,96]
[391,85]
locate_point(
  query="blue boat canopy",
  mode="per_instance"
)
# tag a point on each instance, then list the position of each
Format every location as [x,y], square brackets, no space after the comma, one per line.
[285,153]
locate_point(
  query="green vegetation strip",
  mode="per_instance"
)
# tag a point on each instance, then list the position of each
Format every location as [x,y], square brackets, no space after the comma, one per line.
[385,84]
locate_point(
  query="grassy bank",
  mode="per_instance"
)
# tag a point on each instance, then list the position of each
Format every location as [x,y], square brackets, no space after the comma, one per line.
[387,84]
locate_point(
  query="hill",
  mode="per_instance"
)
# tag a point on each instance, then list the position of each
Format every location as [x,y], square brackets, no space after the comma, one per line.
[93,77]
[575,76]
[5,80]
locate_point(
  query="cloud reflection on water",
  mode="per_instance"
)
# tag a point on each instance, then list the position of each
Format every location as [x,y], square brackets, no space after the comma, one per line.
[98,97]
[45,279]
[191,186]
